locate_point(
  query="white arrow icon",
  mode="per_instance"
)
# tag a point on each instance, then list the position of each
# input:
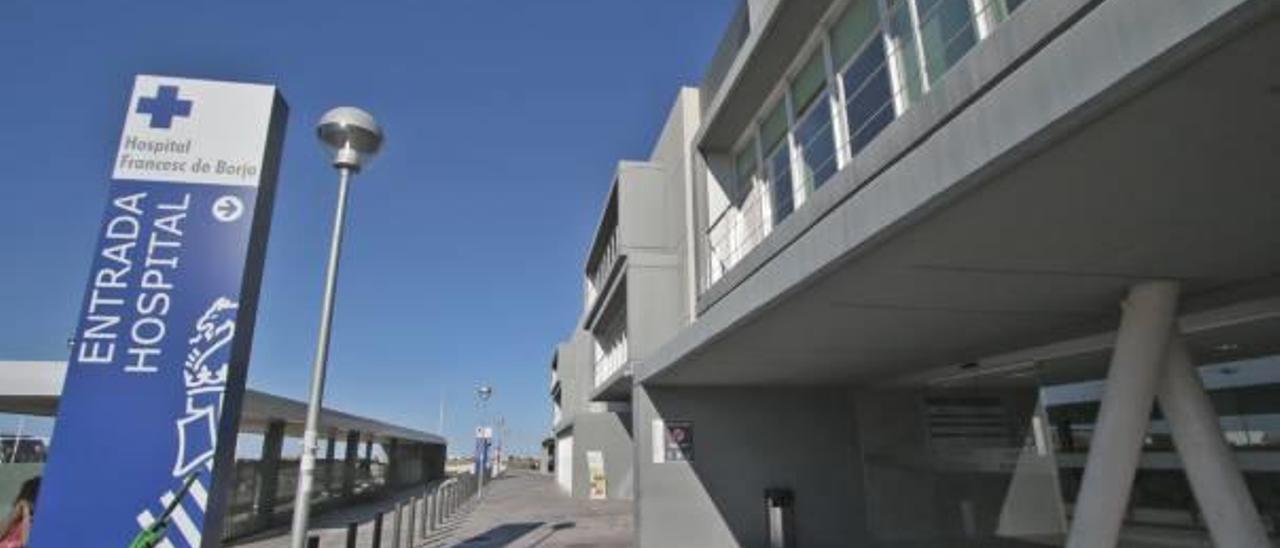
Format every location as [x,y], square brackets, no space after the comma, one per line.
[228,208]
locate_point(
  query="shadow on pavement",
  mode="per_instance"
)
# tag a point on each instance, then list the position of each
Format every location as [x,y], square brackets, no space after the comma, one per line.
[554,529]
[501,535]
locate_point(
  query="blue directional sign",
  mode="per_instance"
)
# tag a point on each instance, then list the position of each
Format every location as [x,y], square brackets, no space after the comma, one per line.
[158,363]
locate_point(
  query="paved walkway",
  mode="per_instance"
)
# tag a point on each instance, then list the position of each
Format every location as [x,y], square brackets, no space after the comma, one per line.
[527,510]
[521,510]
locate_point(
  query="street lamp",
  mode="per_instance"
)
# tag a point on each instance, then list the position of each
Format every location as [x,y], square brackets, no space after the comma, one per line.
[354,137]
[484,392]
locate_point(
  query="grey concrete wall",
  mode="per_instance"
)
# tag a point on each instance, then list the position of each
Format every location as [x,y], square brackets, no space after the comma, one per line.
[867,467]
[943,488]
[609,433]
[655,303]
[747,440]
[657,216]
[642,216]
[581,359]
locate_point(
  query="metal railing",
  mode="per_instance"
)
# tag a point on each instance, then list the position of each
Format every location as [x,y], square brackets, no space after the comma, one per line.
[416,519]
[611,351]
[903,67]
[598,275]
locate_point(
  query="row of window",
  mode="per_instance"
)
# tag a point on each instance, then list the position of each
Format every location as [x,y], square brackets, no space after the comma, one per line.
[864,70]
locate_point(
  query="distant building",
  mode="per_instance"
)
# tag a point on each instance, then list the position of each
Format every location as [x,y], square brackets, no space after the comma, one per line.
[885,258]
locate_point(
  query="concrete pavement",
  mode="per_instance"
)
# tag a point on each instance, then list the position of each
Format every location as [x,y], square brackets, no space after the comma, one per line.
[521,510]
[527,510]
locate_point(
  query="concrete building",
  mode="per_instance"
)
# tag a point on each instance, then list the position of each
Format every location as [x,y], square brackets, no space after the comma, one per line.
[363,459]
[961,272]
[637,293]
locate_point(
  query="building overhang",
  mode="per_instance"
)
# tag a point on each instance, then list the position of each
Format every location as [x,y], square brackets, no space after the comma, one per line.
[615,388]
[1114,153]
[564,425]
[34,388]
[776,37]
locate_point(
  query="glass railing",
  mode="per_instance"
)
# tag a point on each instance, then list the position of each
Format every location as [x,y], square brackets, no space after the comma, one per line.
[611,355]
[911,48]
[598,275]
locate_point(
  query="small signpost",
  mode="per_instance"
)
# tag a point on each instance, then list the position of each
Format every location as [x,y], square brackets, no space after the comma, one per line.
[158,363]
[672,441]
[595,471]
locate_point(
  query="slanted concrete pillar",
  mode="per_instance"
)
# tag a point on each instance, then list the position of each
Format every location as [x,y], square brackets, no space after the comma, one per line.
[1211,469]
[330,449]
[349,464]
[1145,327]
[268,480]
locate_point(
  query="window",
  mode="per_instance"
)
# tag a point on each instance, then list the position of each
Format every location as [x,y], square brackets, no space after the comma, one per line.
[780,177]
[905,55]
[744,169]
[817,143]
[814,134]
[867,85]
[947,32]
[773,136]
[1000,9]
[856,25]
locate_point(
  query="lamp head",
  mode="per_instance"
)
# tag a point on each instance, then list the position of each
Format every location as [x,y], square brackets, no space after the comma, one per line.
[484,392]
[352,134]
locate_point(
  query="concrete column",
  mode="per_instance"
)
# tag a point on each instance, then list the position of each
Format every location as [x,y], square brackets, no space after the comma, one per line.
[393,462]
[330,449]
[268,480]
[349,464]
[1211,469]
[425,462]
[1145,326]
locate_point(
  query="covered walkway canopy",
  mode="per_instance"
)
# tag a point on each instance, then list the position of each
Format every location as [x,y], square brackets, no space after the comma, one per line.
[33,388]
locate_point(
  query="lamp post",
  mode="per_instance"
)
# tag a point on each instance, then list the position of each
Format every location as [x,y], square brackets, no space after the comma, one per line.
[354,137]
[483,393]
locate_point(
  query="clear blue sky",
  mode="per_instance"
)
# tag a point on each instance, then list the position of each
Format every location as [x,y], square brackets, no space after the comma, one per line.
[466,237]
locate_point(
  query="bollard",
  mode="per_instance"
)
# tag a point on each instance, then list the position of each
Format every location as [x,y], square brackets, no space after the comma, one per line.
[429,516]
[425,525]
[313,542]
[377,530]
[351,534]
[413,514]
[440,505]
[397,522]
